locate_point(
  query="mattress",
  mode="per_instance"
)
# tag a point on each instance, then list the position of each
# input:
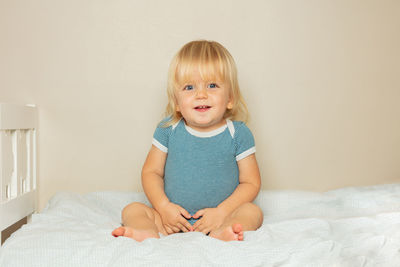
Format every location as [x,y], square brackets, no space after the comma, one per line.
[355,226]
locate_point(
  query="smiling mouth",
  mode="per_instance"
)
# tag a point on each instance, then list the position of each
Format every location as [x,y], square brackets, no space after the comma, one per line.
[202,108]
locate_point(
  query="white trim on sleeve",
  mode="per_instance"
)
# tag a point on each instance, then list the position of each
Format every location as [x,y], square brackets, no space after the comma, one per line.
[246,153]
[159,146]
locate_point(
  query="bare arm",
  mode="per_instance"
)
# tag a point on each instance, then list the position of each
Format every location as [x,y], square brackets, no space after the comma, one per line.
[153,177]
[249,185]
[171,214]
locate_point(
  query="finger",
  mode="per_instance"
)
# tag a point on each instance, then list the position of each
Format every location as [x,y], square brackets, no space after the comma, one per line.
[200,228]
[183,228]
[196,225]
[175,229]
[186,224]
[199,213]
[185,213]
[168,229]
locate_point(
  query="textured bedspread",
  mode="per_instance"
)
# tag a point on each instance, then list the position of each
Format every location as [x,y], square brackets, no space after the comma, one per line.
[357,226]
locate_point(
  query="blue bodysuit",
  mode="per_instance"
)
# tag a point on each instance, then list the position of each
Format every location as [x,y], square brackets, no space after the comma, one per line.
[201,168]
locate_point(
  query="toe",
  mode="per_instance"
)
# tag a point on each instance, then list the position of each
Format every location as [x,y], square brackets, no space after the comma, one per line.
[237,228]
[118,232]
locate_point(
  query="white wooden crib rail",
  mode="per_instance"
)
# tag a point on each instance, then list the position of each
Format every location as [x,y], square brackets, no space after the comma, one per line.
[17,163]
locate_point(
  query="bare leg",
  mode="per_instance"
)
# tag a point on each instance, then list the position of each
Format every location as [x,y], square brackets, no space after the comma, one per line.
[247,217]
[140,222]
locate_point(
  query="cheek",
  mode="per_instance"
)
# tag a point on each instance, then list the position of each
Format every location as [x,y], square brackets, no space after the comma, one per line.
[224,101]
[182,104]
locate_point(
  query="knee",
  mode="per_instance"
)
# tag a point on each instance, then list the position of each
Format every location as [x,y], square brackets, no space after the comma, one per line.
[252,210]
[132,208]
[256,209]
[256,212]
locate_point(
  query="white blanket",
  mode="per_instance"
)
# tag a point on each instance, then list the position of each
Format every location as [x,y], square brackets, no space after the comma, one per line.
[357,226]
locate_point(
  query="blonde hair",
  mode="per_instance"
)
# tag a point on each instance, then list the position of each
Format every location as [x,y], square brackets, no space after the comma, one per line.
[212,61]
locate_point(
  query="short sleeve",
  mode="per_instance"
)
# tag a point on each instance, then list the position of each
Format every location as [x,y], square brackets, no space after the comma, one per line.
[161,136]
[244,141]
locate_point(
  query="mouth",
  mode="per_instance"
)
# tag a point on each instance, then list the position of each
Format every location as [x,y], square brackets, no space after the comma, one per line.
[202,108]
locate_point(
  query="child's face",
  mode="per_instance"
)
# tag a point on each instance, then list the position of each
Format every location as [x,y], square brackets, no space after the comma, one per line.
[203,103]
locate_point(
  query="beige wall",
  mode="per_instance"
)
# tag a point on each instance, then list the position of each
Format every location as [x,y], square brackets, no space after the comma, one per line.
[321,79]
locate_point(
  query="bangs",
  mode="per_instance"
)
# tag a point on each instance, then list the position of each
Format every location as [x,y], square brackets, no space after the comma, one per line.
[207,59]
[207,71]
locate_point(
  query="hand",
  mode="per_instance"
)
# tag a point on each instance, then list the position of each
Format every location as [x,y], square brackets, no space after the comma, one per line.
[173,218]
[212,218]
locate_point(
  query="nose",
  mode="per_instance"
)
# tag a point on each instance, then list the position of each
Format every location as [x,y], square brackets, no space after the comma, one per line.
[202,93]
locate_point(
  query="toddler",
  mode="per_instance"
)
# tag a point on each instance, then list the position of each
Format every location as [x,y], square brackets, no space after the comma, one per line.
[201,172]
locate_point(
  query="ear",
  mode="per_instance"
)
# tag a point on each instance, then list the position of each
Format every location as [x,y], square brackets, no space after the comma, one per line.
[230,104]
[177,108]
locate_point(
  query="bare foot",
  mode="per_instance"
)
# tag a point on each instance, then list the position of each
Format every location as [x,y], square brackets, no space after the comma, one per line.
[138,235]
[229,233]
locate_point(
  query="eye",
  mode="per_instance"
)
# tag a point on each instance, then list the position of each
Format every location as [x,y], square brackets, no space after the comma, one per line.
[188,87]
[212,85]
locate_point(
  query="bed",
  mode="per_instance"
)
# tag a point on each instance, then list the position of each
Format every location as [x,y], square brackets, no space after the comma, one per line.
[357,226]
[354,226]
[17,163]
